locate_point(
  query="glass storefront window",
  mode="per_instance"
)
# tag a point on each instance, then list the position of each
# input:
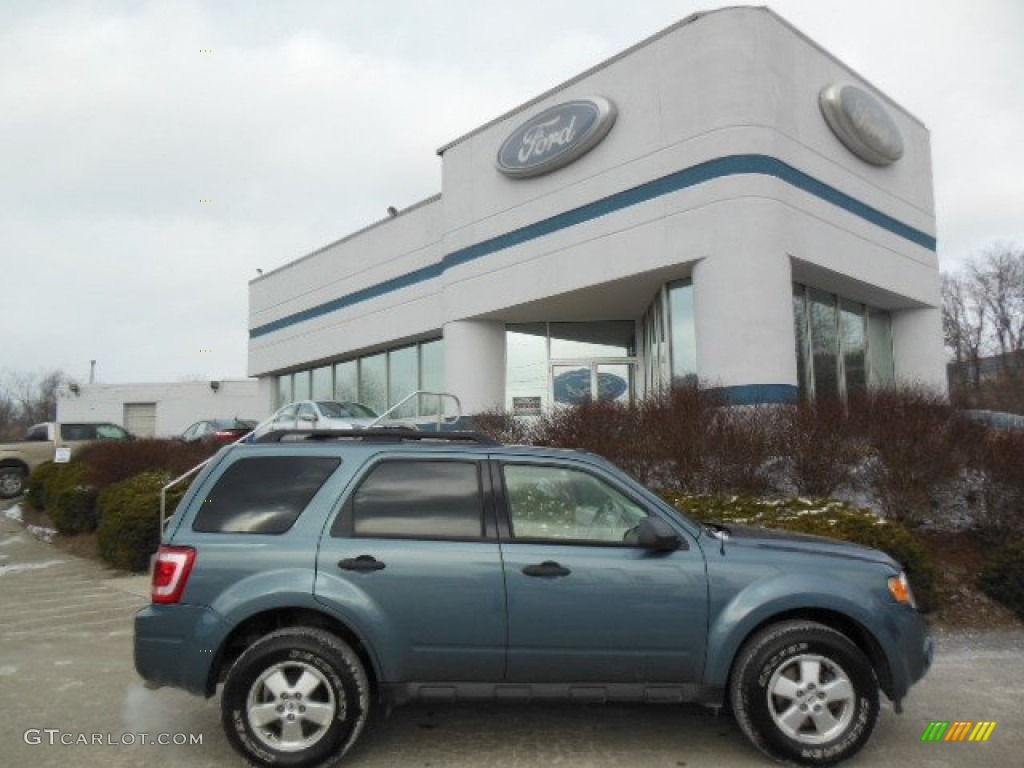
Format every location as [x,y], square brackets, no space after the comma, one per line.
[301,385]
[854,346]
[346,381]
[380,380]
[880,348]
[842,346]
[526,367]
[373,378]
[432,377]
[570,341]
[323,383]
[683,337]
[800,334]
[403,379]
[824,344]
[284,390]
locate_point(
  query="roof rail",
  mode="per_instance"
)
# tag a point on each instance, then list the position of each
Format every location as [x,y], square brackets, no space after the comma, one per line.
[395,435]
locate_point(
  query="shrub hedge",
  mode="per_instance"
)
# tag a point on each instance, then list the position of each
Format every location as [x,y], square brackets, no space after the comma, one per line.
[1003,578]
[129,529]
[111,461]
[823,517]
[35,489]
[64,491]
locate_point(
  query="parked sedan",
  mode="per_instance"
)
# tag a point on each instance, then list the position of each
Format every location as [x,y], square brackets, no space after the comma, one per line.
[219,431]
[323,414]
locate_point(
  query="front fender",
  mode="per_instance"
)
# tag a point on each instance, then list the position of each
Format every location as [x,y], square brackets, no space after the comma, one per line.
[786,594]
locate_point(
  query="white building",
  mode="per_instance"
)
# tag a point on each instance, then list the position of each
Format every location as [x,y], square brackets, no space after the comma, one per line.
[161,410]
[724,200]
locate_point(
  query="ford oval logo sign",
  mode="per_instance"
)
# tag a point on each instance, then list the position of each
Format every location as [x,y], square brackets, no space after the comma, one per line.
[860,121]
[556,137]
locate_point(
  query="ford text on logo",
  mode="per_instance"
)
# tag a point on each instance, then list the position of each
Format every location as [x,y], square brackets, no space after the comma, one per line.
[556,137]
[860,121]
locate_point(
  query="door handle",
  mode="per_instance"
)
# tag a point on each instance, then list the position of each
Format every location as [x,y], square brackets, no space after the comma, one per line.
[549,569]
[361,563]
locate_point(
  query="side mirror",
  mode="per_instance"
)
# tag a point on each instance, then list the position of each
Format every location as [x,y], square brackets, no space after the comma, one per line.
[655,534]
[309,418]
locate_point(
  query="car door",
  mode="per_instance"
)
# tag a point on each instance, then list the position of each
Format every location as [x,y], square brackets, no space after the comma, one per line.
[585,601]
[412,557]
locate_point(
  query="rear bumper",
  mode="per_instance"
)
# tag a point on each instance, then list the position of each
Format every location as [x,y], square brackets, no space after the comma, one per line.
[167,652]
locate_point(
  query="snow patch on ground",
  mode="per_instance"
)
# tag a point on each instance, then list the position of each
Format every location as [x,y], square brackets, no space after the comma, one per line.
[144,710]
[14,513]
[8,671]
[43,534]
[11,540]
[20,567]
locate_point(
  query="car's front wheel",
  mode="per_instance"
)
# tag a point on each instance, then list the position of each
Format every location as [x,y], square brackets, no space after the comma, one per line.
[296,697]
[803,691]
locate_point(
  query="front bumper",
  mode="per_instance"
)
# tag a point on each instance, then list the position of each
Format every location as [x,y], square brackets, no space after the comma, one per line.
[911,650]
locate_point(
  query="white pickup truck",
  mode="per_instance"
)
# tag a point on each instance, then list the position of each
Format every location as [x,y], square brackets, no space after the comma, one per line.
[46,442]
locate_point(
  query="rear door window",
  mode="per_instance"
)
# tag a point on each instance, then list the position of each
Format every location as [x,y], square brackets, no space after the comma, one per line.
[263,494]
[420,499]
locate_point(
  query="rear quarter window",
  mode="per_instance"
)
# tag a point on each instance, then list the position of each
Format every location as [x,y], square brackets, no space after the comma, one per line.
[263,494]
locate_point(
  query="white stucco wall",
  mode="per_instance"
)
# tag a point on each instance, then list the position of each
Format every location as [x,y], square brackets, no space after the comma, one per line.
[733,83]
[178,404]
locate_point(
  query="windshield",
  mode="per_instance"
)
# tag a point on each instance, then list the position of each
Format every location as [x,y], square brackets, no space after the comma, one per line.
[232,424]
[335,410]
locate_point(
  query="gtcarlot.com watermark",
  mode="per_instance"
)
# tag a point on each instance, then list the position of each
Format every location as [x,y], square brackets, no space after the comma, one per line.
[57,737]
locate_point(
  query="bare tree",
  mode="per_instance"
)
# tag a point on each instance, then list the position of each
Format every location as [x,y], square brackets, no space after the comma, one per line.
[998,278]
[983,317]
[28,398]
[963,325]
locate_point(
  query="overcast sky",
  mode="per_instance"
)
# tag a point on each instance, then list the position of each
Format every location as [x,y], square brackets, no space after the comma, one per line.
[308,118]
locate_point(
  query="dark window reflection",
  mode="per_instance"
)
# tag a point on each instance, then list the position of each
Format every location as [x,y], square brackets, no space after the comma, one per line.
[429,499]
[263,494]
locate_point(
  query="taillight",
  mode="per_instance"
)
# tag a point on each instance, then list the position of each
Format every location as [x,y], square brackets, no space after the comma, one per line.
[171,568]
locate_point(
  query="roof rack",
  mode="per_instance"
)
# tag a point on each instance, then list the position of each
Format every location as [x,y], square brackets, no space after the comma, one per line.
[384,435]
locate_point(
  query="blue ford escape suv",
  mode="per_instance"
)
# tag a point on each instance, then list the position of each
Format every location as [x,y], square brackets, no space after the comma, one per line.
[315,575]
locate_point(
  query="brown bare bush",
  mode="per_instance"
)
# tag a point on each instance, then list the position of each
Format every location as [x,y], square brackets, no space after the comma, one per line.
[110,462]
[915,449]
[820,446]
[1000,518]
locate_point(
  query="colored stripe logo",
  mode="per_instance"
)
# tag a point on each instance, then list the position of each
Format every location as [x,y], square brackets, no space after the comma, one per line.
[958,730]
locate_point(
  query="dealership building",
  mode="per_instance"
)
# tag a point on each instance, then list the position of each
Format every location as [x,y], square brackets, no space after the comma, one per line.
[724,200]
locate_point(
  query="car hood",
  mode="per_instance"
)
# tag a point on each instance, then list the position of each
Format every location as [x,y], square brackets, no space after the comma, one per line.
[787,541]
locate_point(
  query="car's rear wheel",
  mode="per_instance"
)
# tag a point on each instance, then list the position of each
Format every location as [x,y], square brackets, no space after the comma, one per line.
[12,482]
[803,691]
[297,697]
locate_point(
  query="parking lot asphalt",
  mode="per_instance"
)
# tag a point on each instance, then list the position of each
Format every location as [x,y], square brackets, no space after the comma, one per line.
[66,675]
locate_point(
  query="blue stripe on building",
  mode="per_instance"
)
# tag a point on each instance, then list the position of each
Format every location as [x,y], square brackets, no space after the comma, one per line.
[721,167]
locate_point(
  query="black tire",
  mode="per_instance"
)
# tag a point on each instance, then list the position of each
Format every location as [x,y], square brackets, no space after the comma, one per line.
[274,688]
[802,691]
[12,482]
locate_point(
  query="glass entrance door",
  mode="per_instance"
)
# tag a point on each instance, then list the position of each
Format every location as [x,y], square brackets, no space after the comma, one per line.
[583,381]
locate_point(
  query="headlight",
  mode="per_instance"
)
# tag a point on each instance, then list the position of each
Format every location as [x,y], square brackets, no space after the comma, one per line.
[900,590]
